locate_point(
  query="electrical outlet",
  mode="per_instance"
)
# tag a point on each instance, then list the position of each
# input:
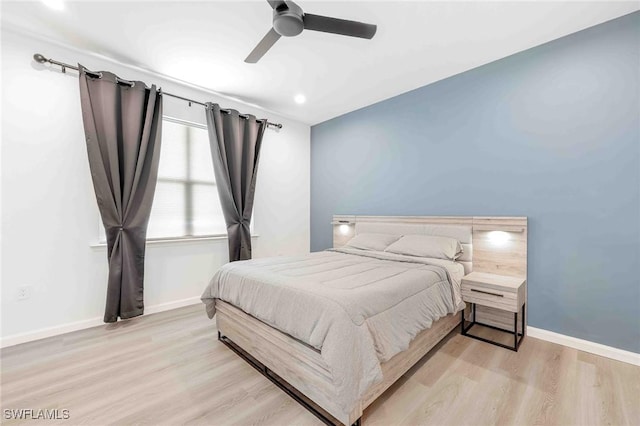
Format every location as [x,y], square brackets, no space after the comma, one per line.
[24,292]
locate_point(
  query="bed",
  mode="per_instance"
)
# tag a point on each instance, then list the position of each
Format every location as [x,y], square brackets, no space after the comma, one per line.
[337,328]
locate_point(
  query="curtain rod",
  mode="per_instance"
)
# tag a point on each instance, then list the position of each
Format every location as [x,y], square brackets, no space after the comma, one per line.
[42,59]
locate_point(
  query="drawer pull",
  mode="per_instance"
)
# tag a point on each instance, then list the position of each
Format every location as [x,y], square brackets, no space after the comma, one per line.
[487,292]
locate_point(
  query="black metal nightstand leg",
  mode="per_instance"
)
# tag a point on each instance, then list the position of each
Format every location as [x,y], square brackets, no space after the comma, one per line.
[516,342]
[515,331]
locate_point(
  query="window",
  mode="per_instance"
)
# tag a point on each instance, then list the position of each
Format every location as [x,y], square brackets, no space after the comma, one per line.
[186,202]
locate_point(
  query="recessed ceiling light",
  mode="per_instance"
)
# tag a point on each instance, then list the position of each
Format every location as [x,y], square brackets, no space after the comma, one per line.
[54,4]
[300,98]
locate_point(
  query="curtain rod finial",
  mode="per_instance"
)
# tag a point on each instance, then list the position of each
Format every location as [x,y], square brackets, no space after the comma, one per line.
[40,58]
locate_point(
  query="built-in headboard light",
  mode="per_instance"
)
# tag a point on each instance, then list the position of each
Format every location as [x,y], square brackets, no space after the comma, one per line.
[499,238]
[345,225]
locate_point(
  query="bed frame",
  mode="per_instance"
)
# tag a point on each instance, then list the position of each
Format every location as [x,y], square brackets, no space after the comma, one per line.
[299,369]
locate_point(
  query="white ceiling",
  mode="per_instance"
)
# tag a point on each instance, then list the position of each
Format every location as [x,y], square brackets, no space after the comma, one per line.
[205,43]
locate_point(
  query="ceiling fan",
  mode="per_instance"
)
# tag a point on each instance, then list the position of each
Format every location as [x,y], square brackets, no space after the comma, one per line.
[289,20]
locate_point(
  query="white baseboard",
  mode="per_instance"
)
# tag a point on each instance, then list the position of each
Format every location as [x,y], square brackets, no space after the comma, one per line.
[43,333]
[172,305]
[585,345]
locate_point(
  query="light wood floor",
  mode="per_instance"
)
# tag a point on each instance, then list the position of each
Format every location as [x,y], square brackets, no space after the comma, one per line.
[169,368]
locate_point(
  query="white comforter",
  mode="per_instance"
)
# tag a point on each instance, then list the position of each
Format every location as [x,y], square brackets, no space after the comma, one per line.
[358,308]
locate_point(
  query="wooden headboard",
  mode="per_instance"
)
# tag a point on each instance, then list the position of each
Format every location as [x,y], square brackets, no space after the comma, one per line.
[498,244]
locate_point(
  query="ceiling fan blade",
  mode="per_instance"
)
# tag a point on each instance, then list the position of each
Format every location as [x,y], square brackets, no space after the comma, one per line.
[338,26]
[276,3]
[265,44]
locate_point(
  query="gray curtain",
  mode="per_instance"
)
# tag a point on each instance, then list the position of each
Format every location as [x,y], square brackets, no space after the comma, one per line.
[235,149]
[122,125]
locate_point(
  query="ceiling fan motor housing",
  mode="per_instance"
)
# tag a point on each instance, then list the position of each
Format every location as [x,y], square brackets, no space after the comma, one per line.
[288,22]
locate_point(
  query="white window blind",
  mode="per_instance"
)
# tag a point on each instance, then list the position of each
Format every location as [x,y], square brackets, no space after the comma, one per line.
[186,202]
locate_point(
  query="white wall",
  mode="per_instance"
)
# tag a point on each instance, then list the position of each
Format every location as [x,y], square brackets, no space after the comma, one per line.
[49,213]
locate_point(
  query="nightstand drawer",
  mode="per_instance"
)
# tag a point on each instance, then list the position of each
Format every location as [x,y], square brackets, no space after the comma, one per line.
[484,296]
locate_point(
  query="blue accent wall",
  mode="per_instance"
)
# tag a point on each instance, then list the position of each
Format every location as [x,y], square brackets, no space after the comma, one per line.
[552,133]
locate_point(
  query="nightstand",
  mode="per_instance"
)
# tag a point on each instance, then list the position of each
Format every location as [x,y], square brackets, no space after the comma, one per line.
[499,292]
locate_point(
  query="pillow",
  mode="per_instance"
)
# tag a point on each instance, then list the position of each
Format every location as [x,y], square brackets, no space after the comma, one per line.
[367,241]
[427,246]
